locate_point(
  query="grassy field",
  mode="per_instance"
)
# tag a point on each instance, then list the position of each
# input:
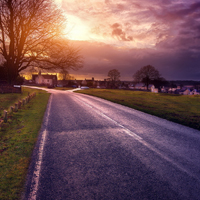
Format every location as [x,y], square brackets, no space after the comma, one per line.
[177,108]
[17,139]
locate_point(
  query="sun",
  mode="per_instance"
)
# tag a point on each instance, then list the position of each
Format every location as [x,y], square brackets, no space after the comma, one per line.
[77,29]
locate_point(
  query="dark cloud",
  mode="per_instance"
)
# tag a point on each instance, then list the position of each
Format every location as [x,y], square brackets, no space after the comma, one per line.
[100,58]
[182,22]
[119,33]
[120,6]
[165,34]
[115,26]
[180,11]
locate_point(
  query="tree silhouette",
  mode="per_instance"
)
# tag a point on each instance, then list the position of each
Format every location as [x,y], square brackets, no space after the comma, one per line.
[31,33]
[114,76]
[146,74]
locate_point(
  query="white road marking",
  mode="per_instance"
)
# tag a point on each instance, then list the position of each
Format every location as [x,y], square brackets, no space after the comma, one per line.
[129,132]
[141,140]
[36,173]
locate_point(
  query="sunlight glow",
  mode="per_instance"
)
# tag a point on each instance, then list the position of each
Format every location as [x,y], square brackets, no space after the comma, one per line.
[58,2]
[77,29]
[100,29]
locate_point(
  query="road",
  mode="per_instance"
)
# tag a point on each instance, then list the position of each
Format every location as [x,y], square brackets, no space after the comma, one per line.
[90,148]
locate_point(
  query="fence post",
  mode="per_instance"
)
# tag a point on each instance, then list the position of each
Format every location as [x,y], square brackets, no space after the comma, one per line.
[11,109]
[16,107]
[19,104]
[5,116]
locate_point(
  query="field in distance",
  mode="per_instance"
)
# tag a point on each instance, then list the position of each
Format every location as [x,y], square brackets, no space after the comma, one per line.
[182,109]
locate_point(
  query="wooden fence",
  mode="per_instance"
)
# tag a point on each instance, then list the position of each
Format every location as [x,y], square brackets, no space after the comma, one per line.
[16,107]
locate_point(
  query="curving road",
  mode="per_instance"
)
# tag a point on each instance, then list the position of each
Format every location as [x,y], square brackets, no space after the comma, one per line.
[90,148]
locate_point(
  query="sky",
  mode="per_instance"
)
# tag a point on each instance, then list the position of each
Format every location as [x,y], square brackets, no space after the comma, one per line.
[128,34]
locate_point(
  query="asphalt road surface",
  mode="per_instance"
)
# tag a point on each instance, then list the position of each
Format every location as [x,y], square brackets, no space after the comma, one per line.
[89,148]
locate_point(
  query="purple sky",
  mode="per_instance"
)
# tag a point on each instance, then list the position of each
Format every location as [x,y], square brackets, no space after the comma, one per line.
[128,34]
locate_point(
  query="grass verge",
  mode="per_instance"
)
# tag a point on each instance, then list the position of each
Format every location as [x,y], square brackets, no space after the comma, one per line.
[7,100]
[181,109]
[17,140]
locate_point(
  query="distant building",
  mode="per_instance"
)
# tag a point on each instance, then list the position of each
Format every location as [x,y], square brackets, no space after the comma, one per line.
[140,86]
[44,79]
[153,89]
[195,92]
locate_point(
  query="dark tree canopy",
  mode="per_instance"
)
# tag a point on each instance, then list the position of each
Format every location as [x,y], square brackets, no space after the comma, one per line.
[147,74]
[31,34]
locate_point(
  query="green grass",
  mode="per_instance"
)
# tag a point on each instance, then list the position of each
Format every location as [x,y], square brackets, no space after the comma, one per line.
[177,108]
[17,140]
[7,100]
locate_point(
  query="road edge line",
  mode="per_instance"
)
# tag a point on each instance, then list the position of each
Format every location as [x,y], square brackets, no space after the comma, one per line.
[37,168]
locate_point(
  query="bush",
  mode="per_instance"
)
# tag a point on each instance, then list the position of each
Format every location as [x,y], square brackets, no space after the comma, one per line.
[19,80]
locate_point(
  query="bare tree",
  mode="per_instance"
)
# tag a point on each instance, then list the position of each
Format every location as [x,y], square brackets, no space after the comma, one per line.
[64,75]
[60,56]
[114,77]
[146,75]
[31,33]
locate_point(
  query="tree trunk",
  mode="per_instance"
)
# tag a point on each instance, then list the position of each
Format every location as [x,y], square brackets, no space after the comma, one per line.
[12,72]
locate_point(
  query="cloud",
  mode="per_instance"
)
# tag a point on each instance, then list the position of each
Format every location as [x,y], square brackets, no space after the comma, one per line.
[130,34]
[119,33]
[100,58]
